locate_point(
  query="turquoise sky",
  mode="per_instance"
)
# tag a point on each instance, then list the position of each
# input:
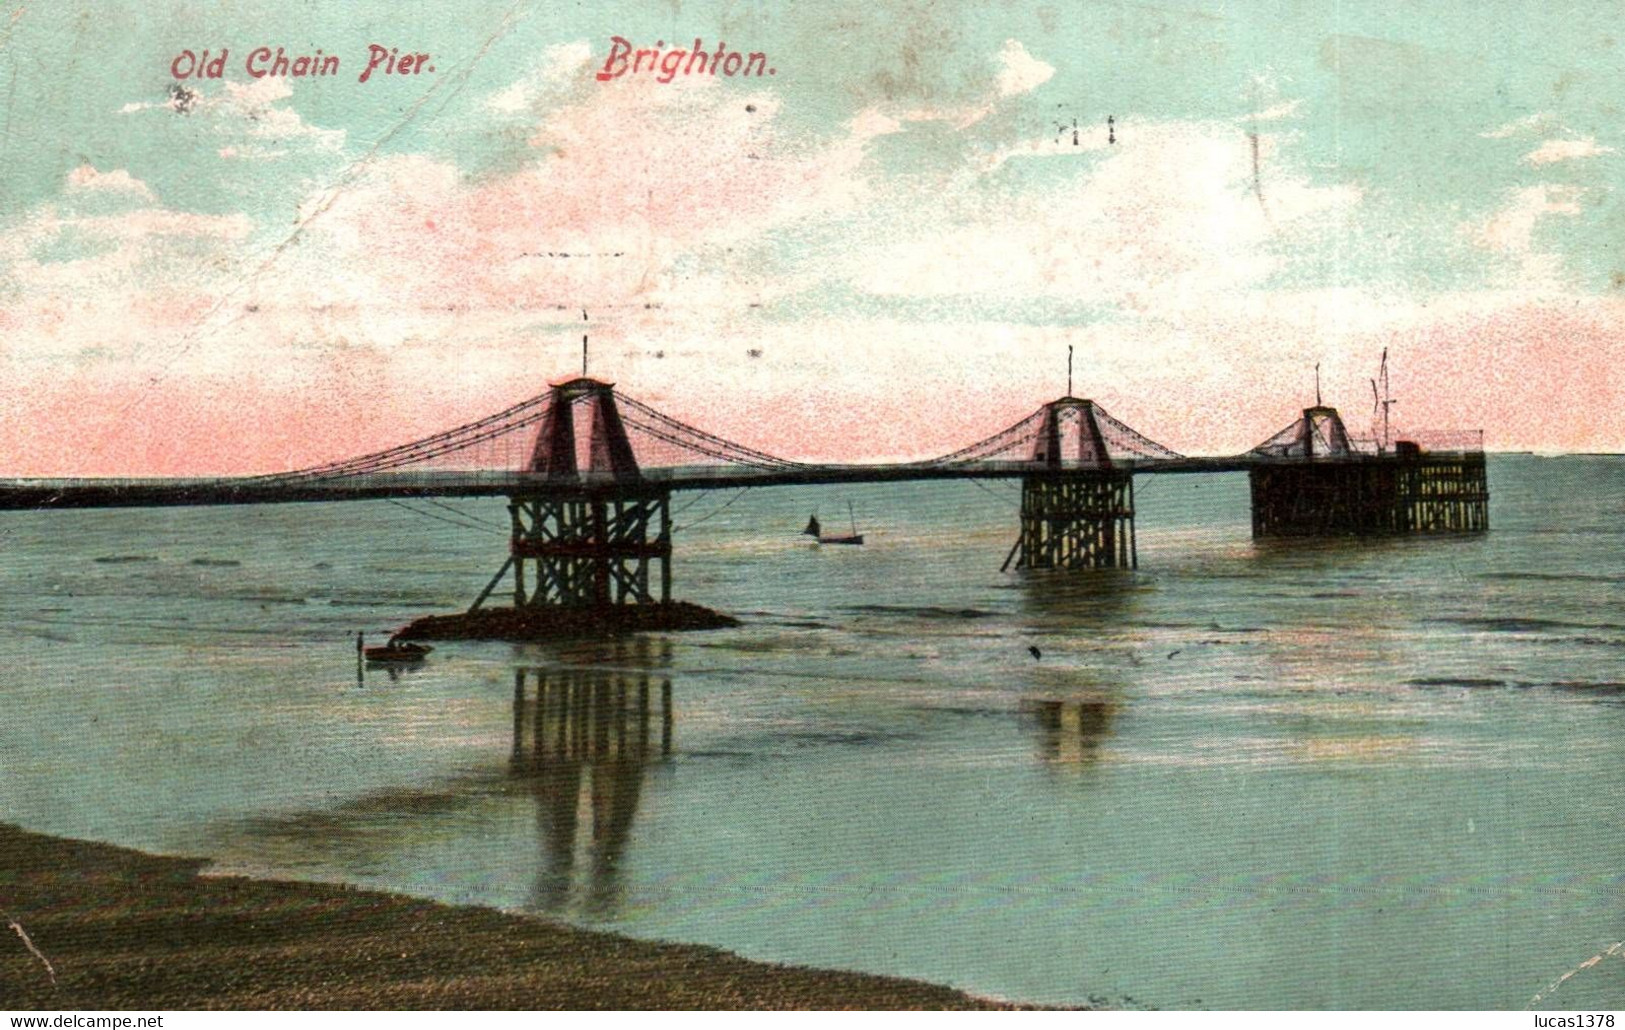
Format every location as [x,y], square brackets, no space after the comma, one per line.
[1437,177]
[1395,96]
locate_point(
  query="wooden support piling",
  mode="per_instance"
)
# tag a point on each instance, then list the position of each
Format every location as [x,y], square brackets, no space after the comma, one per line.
[1078,519]
[1408,492]
[580,548]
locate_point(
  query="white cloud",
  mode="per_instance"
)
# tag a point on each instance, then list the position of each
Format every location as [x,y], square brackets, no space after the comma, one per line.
[250,119]
[1540,123]
[258,93]
[251,153]
[1559,142]
[1171,218]
[1019,71]
[1276,112]
[256,103]
[1510,232]
[112,284]
[87,179]
[1554,150]
[871,122]
[412,251]
[562,64]
[960,116]
[1511,228]
[1090,142]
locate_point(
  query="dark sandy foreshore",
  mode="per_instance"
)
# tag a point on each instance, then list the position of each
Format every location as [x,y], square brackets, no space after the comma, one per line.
[125,930]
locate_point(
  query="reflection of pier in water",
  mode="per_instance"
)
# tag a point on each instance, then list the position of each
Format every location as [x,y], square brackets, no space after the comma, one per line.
[583,738]
[1088,636]
[1070,732]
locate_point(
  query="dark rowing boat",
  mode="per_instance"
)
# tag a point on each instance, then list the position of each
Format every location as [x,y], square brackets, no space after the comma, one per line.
[398,652]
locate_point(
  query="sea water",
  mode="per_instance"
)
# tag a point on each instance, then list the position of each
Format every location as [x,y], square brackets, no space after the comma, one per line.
[1381,774]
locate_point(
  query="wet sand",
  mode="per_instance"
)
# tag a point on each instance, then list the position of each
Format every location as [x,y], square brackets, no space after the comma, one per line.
[120,929]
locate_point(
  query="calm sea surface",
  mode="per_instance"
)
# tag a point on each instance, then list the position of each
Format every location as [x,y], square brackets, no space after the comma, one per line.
[1389,775]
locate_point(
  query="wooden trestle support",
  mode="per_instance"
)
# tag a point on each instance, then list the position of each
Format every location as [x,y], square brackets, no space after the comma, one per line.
[1077,520]
[1384,495]
[592,549]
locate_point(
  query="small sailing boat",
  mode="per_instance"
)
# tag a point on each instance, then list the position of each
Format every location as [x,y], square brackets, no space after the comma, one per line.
[815,530]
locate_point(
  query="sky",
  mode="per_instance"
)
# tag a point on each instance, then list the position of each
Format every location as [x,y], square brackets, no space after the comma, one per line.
[881,250]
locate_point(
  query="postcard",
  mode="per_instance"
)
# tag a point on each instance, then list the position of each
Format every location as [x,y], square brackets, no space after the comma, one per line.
[728,504]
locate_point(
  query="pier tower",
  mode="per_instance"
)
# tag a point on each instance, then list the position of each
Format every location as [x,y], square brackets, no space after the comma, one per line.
[1077,507]
[1312,480]
[586,533]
